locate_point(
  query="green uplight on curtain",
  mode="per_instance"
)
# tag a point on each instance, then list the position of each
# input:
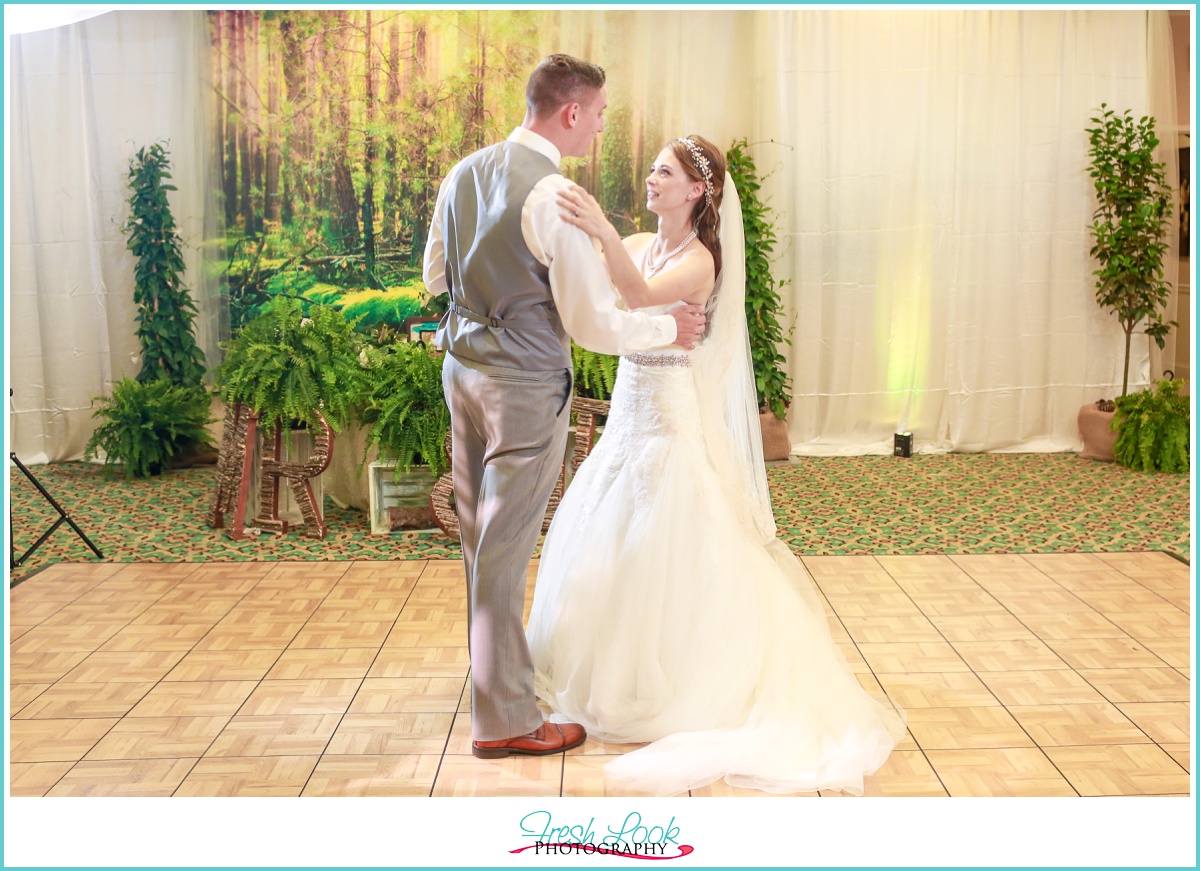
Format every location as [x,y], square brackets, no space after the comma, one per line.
[903,314]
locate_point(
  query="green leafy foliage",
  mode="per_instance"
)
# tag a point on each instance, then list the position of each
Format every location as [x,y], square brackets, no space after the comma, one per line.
[595,373]
[255,280]
[1153,429]
[619,179]
[295,359]
[372,308]
[404,405]
[297,283]
[365,135]
[1129,225]
[262,267]
[147,422]
[764,306]
[325,294]
[166,313]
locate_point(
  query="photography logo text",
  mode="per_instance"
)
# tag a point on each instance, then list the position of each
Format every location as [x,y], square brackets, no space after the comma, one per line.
[632,838]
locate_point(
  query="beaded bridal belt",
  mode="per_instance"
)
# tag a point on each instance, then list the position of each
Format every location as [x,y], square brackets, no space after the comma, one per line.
[659,359]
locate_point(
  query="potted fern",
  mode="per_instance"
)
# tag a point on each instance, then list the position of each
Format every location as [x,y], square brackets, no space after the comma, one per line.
[1154,429]
[147,423]
[1129,228]
[595,373]
[158,419]
[295,359]
[404,409]
[764,306]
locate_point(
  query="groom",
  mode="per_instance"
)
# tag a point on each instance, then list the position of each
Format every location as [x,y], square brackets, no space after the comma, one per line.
[522,283]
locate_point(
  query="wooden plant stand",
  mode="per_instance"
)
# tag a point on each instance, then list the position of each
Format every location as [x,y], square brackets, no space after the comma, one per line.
[236,465]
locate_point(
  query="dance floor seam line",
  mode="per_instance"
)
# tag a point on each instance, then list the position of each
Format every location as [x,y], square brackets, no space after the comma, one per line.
[1019,674]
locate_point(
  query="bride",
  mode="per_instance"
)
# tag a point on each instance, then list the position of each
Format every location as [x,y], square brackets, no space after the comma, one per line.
[666,610]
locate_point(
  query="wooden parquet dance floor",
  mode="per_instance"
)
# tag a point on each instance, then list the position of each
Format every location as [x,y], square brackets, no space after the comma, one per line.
[1049,675]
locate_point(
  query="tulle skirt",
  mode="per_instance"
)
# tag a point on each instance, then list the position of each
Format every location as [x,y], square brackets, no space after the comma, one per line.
[659,616]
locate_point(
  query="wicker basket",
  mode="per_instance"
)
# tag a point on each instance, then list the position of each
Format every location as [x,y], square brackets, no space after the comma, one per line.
[586,412]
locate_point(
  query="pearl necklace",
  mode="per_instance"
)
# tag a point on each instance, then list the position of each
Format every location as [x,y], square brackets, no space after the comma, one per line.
[650,268]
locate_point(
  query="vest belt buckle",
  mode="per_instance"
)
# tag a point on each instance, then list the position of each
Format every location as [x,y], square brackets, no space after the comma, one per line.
[495,322]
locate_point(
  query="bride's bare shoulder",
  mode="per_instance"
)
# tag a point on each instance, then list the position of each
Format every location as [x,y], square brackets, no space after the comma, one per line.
[637,243]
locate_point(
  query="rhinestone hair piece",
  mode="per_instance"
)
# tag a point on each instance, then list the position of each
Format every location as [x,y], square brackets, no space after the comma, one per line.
[701,163]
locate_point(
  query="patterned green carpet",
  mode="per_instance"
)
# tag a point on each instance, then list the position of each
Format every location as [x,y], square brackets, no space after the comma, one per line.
[955,503]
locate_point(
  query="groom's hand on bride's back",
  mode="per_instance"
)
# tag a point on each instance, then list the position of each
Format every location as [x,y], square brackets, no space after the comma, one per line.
[689,325]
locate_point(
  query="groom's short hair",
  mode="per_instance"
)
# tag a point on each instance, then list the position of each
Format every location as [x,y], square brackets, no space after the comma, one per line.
[558,80]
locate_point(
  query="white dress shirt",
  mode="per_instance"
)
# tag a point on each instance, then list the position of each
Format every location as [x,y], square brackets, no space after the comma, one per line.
[586,299]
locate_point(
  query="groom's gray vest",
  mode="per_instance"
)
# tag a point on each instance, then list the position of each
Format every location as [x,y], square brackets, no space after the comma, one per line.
[501,310]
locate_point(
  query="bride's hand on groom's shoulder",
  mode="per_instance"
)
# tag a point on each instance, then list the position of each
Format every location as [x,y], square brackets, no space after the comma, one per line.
[580,209]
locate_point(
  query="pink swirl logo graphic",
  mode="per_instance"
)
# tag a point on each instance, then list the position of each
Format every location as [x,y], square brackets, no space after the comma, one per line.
[633,838]
[626,851]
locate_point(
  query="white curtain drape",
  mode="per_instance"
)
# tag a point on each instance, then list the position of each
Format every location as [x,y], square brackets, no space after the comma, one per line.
[83,99]
[1164,106]
[927,169]
[678,72]
[931,188]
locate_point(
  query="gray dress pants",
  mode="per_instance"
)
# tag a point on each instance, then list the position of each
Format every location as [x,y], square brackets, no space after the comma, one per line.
[510,432]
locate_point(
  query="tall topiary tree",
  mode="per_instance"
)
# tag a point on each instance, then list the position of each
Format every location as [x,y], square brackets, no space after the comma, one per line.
[764,306]
[1129,225]
[166,313]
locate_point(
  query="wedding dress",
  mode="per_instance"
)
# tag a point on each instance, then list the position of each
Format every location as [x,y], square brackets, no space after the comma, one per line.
[666,610]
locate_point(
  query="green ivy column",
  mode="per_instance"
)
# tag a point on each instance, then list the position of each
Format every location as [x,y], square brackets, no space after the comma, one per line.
[764,306]
[166,313]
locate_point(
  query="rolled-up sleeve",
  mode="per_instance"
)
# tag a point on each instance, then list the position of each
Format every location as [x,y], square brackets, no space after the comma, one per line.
[586,300]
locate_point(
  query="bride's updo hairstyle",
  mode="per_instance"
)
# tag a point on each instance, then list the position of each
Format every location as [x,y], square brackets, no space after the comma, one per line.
[703,161]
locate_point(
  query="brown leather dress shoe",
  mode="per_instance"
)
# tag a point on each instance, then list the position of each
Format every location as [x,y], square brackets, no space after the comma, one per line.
[545,739]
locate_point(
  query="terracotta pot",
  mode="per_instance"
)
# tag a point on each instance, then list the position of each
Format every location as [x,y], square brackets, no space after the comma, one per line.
[1098,439]
[776,444]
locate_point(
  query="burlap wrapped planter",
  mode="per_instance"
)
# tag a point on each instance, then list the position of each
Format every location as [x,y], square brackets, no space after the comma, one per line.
[1098,439]
[776,444]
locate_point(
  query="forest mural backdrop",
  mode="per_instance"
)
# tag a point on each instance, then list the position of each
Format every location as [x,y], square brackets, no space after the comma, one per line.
[335,127]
